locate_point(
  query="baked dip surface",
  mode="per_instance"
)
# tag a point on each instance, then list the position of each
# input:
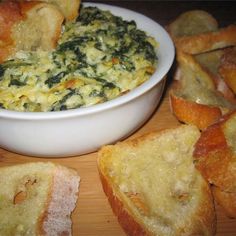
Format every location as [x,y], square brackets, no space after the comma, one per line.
[98,58]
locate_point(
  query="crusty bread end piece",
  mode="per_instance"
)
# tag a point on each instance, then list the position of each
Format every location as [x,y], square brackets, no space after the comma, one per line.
[215,158]
[35,25]
[153,186]
[37,199]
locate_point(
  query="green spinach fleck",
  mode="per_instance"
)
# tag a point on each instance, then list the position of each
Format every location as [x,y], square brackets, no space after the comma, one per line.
[51,81]
[16,82]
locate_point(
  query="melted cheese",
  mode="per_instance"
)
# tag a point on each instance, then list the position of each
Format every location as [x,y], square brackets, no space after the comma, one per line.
[98,58]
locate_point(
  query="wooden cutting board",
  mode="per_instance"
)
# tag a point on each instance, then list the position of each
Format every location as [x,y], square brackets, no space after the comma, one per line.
[93,215]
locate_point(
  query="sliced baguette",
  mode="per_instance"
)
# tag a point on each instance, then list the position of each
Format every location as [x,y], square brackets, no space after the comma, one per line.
[209,41]
[69,8]
[194,98]
[227,68]
[37,199]
[191,23]
[153,187]
[35,25]
[211,63]
[190,112]
[215,158]
[215,153]
[226,200]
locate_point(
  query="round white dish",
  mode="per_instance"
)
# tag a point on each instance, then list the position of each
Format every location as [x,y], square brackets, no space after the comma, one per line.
[83,130]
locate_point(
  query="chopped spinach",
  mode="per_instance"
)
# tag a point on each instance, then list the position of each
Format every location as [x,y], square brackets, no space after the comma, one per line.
[97,93]
[2,106]
[89,14]
[16,82]
[105,83]
[60,105]
[2,70]
[74,43]
[51,81]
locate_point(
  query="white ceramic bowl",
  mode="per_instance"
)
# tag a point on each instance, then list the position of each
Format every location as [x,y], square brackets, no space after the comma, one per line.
[83,130]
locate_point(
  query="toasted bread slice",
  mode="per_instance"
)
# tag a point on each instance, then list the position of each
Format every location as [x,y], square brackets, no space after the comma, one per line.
[227,68]
[153,187]
[37,199]
[215,153]
[69,8]
[193,113]
[35,25]
[211,62]
[209,41]
[191,23]
[226,200]
[194,98]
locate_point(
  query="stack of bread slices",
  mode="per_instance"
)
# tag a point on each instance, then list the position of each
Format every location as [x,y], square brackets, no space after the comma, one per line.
[166,183]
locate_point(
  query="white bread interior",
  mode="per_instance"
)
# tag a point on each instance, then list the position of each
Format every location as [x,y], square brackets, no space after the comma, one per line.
[37,199]
[153,186]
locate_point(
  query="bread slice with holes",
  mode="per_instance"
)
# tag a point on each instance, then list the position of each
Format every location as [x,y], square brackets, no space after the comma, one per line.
[153,186]
[37,199]
[28,26]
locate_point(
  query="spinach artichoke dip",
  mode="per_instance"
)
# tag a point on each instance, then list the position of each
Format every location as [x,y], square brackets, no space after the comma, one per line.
[98,58]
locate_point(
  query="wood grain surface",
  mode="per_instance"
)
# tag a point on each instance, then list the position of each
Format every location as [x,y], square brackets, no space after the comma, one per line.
[93,215]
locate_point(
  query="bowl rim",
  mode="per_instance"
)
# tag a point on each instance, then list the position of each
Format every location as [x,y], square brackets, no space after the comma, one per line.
[157,77]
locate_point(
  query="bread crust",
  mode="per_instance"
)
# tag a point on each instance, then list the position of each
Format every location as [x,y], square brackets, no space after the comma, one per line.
[59,208]
[214,158]
[194,98]
[52,188]
[69,8]
[226,200]
[9,15]
[128,223]
[193,113]
[14,14]
[205,42]
[191,23]
[227,68]
[203,221]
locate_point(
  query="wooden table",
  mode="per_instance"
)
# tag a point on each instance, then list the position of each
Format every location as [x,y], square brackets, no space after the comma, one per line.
[93,215]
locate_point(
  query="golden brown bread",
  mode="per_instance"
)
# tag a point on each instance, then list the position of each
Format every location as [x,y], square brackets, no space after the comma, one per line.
[206,42]
[200,96]
[188,112]
[28,26]
[191,23]
[226,200]
[69,8]
[37,199]
[211,62]
[215,158]
[153,187]
[194,92]
[215,153]
[227,68]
